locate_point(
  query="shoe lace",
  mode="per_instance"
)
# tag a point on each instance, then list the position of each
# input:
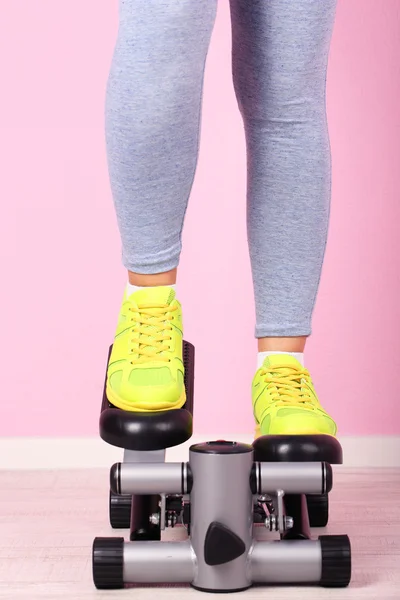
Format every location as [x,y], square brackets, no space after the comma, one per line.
[151,326]
[289,386]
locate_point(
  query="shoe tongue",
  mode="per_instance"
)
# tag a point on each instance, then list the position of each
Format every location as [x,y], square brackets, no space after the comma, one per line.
[149,296]
[153,295]
[281,360]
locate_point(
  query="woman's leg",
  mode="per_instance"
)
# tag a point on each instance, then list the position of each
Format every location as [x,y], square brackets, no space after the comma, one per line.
[152,124]
[280,55]
[152,131]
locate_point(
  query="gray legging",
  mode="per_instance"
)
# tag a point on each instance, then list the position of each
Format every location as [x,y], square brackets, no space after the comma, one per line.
[153,106]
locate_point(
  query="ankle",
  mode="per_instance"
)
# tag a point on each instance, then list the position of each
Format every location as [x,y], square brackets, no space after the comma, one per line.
[282,344]
[153,280]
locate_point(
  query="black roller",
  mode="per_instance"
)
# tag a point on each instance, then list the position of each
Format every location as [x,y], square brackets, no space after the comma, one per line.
[120,510]
[318,509]
[336,560]
[108,563]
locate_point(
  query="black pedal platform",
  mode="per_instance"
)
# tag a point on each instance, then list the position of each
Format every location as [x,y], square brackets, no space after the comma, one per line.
[298,448]
[150,431]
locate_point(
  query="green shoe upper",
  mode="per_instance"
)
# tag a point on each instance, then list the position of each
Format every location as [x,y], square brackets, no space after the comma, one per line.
[285,401]
[145,371]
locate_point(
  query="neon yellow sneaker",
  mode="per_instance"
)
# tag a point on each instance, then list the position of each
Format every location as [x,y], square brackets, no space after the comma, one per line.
[145,371]
[285,401]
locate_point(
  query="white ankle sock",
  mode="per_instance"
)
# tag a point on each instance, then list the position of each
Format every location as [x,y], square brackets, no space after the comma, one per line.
[262,355]
[131,289]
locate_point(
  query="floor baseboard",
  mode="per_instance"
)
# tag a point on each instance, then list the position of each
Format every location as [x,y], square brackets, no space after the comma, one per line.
[88,453]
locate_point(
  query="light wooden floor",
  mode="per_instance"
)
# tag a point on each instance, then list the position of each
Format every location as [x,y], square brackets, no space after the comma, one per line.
[48,520]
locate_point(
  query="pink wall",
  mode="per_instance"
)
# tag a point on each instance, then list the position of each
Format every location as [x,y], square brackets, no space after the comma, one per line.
[60,260]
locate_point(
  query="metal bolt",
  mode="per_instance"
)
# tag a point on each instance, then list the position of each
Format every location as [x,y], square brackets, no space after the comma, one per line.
[266,503]
[289,522]
[271,522]
[155,518]
[172,519]
[264,498]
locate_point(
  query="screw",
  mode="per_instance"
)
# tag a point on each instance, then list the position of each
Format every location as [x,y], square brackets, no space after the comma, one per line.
[271,523]
[155,518]
[171,519]
[289,522]
[264,498]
